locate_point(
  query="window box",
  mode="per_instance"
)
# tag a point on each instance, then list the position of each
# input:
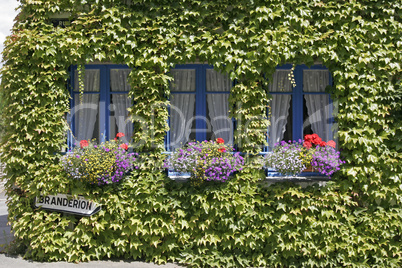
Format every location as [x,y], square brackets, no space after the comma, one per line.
[304,180]
[205,161]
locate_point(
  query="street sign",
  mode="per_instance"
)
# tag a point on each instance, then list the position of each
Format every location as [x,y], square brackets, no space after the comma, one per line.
[67,203]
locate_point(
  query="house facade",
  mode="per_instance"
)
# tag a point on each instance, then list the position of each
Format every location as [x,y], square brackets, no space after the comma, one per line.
[252,73]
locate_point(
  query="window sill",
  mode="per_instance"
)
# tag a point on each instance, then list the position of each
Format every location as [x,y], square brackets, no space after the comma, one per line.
[304,180]
[179,177]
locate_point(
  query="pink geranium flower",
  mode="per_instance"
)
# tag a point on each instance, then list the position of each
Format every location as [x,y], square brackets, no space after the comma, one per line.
[119,135]
[83,143]
[331,143]
[307,144]
[124,146]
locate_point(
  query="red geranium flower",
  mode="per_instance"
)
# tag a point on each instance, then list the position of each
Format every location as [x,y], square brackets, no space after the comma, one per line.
[83,143]
[222,149]
[220,140]
[308,138]
[315,136]
[316,139]
[331,143]
[119,135]
[322,143]
[124,146]
[313,139]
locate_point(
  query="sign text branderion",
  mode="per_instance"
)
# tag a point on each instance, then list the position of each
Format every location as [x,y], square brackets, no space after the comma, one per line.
[65,202]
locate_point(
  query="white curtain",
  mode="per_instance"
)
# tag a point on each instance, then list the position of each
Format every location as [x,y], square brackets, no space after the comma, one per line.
[86,113]
[280,105]
[181,107]
[317,104]
[119,82]
[218,105]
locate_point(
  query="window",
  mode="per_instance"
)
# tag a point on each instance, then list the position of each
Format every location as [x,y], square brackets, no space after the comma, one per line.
[300,109]
[101,111]
[199,105]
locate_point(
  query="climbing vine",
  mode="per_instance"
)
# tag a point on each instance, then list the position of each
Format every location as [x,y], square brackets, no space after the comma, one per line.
[356,221]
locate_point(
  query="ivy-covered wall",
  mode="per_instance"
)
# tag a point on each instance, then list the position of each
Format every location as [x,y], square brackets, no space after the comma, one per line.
[355,221]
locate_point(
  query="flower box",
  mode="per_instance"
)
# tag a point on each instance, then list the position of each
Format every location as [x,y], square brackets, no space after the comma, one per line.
[101,164]
[205,161]
[312,154]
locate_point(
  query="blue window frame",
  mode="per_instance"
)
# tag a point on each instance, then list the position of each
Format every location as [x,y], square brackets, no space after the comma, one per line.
[198,105]
[300,105]
[306,107]
[101,111]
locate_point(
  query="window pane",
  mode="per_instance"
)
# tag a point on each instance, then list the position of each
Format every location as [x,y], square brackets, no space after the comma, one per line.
[118,80]
[119,120]
[219,120]
[182,117]
[281,81]
[319,115]
[318,105]
[315,80]
[91,81]
[306,124]
[183,80]
[217,81]
[86,117]
[281,119]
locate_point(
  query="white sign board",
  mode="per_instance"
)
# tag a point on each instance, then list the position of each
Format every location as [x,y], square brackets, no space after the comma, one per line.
[66,203]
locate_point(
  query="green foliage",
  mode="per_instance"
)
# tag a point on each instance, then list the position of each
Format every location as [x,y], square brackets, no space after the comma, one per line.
[354,222]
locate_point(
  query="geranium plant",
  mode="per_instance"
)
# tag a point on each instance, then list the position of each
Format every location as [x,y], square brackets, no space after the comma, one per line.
[206,160]
[101,164]
[293,157]
[324,156]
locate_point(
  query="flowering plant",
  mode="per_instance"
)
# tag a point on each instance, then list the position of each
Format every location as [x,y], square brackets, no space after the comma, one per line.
[326,160]
[286,158]
[291,158]
[105,163]
[324,157]
[206,161]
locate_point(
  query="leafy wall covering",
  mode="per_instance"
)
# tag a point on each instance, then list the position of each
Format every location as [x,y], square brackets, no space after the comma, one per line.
[355,221]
